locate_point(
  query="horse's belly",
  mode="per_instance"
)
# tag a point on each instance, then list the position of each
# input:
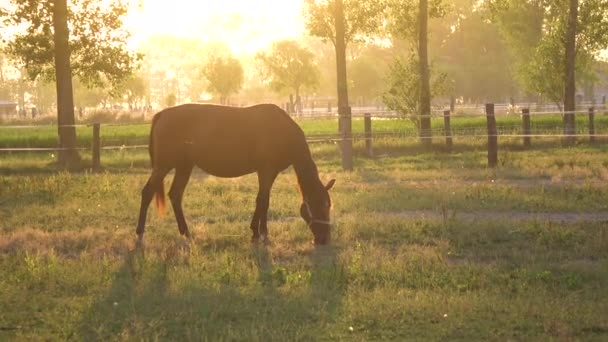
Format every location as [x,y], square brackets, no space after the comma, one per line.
[226,166]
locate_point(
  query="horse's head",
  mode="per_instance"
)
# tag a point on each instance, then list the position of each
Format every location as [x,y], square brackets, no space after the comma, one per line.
[315,211]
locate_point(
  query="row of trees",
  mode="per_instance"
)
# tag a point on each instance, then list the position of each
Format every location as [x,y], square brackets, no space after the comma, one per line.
[490,52]
[405,52]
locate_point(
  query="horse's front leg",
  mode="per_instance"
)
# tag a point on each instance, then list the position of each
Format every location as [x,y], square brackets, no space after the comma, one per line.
[260,215]
[255,220]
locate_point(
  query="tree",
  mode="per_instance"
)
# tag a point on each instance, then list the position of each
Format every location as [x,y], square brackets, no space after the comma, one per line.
[563,38]
[425,87]
[403,94]
[84,38]
[408,20]
[366,77]
[89,96]
[134,89]
[535,32]
[44,96]
[475,58]
[225,76]
[342,22]
[569,74]
[289,68]
[5,89]
[174,65]
[63,76]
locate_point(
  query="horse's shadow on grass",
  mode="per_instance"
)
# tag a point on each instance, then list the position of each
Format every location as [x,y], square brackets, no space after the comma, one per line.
[154,298]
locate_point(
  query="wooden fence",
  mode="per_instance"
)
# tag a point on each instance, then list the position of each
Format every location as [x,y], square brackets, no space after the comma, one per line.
[368,136]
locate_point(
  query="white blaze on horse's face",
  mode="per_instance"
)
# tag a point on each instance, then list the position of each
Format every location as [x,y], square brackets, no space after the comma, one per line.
[316,212]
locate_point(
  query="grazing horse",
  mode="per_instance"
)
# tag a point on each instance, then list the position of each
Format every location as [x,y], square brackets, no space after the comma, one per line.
[231,142]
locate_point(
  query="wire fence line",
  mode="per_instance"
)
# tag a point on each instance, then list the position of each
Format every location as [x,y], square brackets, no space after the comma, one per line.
[333,138]
[542,130]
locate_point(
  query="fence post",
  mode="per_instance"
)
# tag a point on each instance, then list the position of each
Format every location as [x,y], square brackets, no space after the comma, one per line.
[591,125]
[96,147]
[525,116]
[368,135]
[492,136]
[447,129]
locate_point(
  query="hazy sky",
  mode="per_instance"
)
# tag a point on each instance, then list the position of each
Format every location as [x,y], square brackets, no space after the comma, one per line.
[245,25]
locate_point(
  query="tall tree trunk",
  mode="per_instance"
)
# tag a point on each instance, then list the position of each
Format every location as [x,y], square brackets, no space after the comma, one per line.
[570,79]
[65,97]
[343,108]
[425,88]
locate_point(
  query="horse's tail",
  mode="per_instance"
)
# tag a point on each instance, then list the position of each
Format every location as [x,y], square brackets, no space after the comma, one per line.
[160,200]
[160,191]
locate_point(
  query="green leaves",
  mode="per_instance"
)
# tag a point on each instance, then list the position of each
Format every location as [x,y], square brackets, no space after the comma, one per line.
[362,18]
[97,40]
[225,76]
[288,67]
[534,31]
[403,94]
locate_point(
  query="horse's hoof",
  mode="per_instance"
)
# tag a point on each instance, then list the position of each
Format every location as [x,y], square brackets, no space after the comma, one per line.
[139,243]
[265,240]
[185,240]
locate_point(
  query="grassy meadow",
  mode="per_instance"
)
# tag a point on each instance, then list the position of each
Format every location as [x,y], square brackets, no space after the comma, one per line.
[427,245]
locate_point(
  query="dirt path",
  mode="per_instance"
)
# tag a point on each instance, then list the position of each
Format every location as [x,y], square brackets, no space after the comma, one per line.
[512,216]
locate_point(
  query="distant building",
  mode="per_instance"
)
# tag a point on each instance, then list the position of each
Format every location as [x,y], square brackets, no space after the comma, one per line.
[7,108]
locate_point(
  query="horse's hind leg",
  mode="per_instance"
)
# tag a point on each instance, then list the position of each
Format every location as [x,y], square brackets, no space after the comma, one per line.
[182,175]
[153,185]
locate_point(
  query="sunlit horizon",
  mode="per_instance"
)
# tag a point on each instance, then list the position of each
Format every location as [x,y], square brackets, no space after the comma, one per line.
[245,26]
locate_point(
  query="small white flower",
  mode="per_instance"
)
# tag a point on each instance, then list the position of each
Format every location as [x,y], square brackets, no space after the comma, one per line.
[351,329]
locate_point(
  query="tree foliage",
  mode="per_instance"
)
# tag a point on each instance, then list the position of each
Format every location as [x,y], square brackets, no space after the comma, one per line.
[402,17]
[476,59]
[289,68]
[362,18]
[366,73]
[403,93]
[97,40]
[225,76]
[535,33]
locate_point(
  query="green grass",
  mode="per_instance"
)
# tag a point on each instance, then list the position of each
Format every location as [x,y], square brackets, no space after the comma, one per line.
[426,246]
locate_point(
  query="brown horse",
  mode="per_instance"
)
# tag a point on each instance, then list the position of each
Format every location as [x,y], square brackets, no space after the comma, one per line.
[231,142]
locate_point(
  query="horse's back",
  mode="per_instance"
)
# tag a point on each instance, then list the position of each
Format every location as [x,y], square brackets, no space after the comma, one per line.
[225,141]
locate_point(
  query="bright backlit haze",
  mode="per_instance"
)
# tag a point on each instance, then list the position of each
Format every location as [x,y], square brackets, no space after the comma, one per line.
[245,25]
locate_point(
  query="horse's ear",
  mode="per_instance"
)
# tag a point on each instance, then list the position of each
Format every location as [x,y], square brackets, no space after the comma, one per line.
[330,184]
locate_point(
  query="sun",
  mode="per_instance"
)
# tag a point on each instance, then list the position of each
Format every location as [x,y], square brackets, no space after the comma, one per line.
[244,25]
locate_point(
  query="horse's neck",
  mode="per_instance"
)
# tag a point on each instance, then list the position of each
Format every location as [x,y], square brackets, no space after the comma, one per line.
[308,176]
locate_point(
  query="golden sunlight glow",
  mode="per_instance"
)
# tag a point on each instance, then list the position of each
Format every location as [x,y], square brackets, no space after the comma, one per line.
[244,25]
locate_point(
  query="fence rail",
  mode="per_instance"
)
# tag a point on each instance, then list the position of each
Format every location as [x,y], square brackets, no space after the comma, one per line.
[492,132]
